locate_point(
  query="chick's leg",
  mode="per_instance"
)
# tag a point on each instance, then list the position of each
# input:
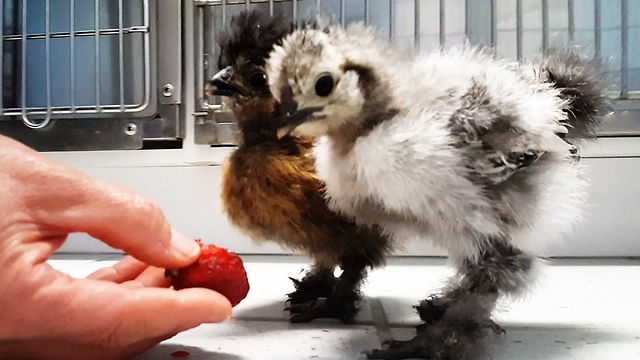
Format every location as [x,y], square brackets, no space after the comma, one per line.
[318,282]
[463,315]
[501,268]
[365,248]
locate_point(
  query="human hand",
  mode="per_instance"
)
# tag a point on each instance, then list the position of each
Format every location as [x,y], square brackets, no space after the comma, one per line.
[118,311]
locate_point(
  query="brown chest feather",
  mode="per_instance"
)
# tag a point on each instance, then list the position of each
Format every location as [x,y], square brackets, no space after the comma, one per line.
[270,193]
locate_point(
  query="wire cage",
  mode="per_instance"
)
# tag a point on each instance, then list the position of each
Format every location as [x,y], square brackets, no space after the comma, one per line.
[90,74]
[75,58]
[607,29]
[97,65]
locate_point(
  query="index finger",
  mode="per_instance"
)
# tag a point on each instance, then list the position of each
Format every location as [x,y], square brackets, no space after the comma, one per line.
[128,221]
[66,199]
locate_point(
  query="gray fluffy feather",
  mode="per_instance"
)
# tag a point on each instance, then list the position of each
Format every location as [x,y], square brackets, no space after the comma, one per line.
[580,81]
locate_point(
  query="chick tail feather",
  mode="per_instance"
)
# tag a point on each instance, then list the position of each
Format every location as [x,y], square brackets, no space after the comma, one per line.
[581,82]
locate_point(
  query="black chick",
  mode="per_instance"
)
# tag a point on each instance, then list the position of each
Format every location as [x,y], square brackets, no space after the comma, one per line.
[270,189]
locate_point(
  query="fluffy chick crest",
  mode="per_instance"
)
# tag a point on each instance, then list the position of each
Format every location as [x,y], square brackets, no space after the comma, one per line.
[250,37]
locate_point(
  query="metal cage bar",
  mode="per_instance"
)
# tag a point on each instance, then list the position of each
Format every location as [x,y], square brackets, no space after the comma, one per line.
[199,52]
[25,117]
[494,23]
[545,24]
[97,52]
[367,12]
[571,23]
[416,24]
[78,34]
[442,29]
[597,27]
[23,111]
[624,46]
[121,54]
[392,20]
[519,47]
[72,55]
[47,44]
[295,10]
[467,14]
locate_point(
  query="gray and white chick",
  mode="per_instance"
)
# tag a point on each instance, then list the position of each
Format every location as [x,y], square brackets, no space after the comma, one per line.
[456,147]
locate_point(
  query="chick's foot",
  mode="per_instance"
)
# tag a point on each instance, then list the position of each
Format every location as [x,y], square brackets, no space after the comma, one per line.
[312,286]
[446,340]
[343,307]
[431,310]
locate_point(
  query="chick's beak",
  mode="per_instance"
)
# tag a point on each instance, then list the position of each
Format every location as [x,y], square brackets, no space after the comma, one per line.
[295,119]
[285,131]
[222,83]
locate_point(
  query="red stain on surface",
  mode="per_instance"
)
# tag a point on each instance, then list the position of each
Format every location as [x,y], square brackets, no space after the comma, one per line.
[180,354]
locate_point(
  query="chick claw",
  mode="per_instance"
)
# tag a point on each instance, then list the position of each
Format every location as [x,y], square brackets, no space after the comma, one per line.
[311,288]
[400,352]
[394,344]
[321,308]
[497,329]
[433,309]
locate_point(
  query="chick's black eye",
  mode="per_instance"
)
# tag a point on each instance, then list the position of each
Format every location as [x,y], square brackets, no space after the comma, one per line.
[258,80]
[324,85]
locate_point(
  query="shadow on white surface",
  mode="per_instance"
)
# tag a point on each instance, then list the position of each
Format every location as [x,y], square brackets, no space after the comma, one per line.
[165,351]
[274,310]
[269,340]
[553,341]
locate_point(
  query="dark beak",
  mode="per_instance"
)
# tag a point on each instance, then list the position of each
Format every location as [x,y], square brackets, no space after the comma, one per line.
[295,119]
[223,84]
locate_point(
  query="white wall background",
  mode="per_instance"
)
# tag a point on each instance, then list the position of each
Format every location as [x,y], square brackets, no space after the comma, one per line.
[186,183]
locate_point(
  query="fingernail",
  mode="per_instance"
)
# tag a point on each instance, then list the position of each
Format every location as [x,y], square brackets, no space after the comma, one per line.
[184,245]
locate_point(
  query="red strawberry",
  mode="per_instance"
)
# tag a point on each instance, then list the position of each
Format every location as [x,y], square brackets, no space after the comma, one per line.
[217,269]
